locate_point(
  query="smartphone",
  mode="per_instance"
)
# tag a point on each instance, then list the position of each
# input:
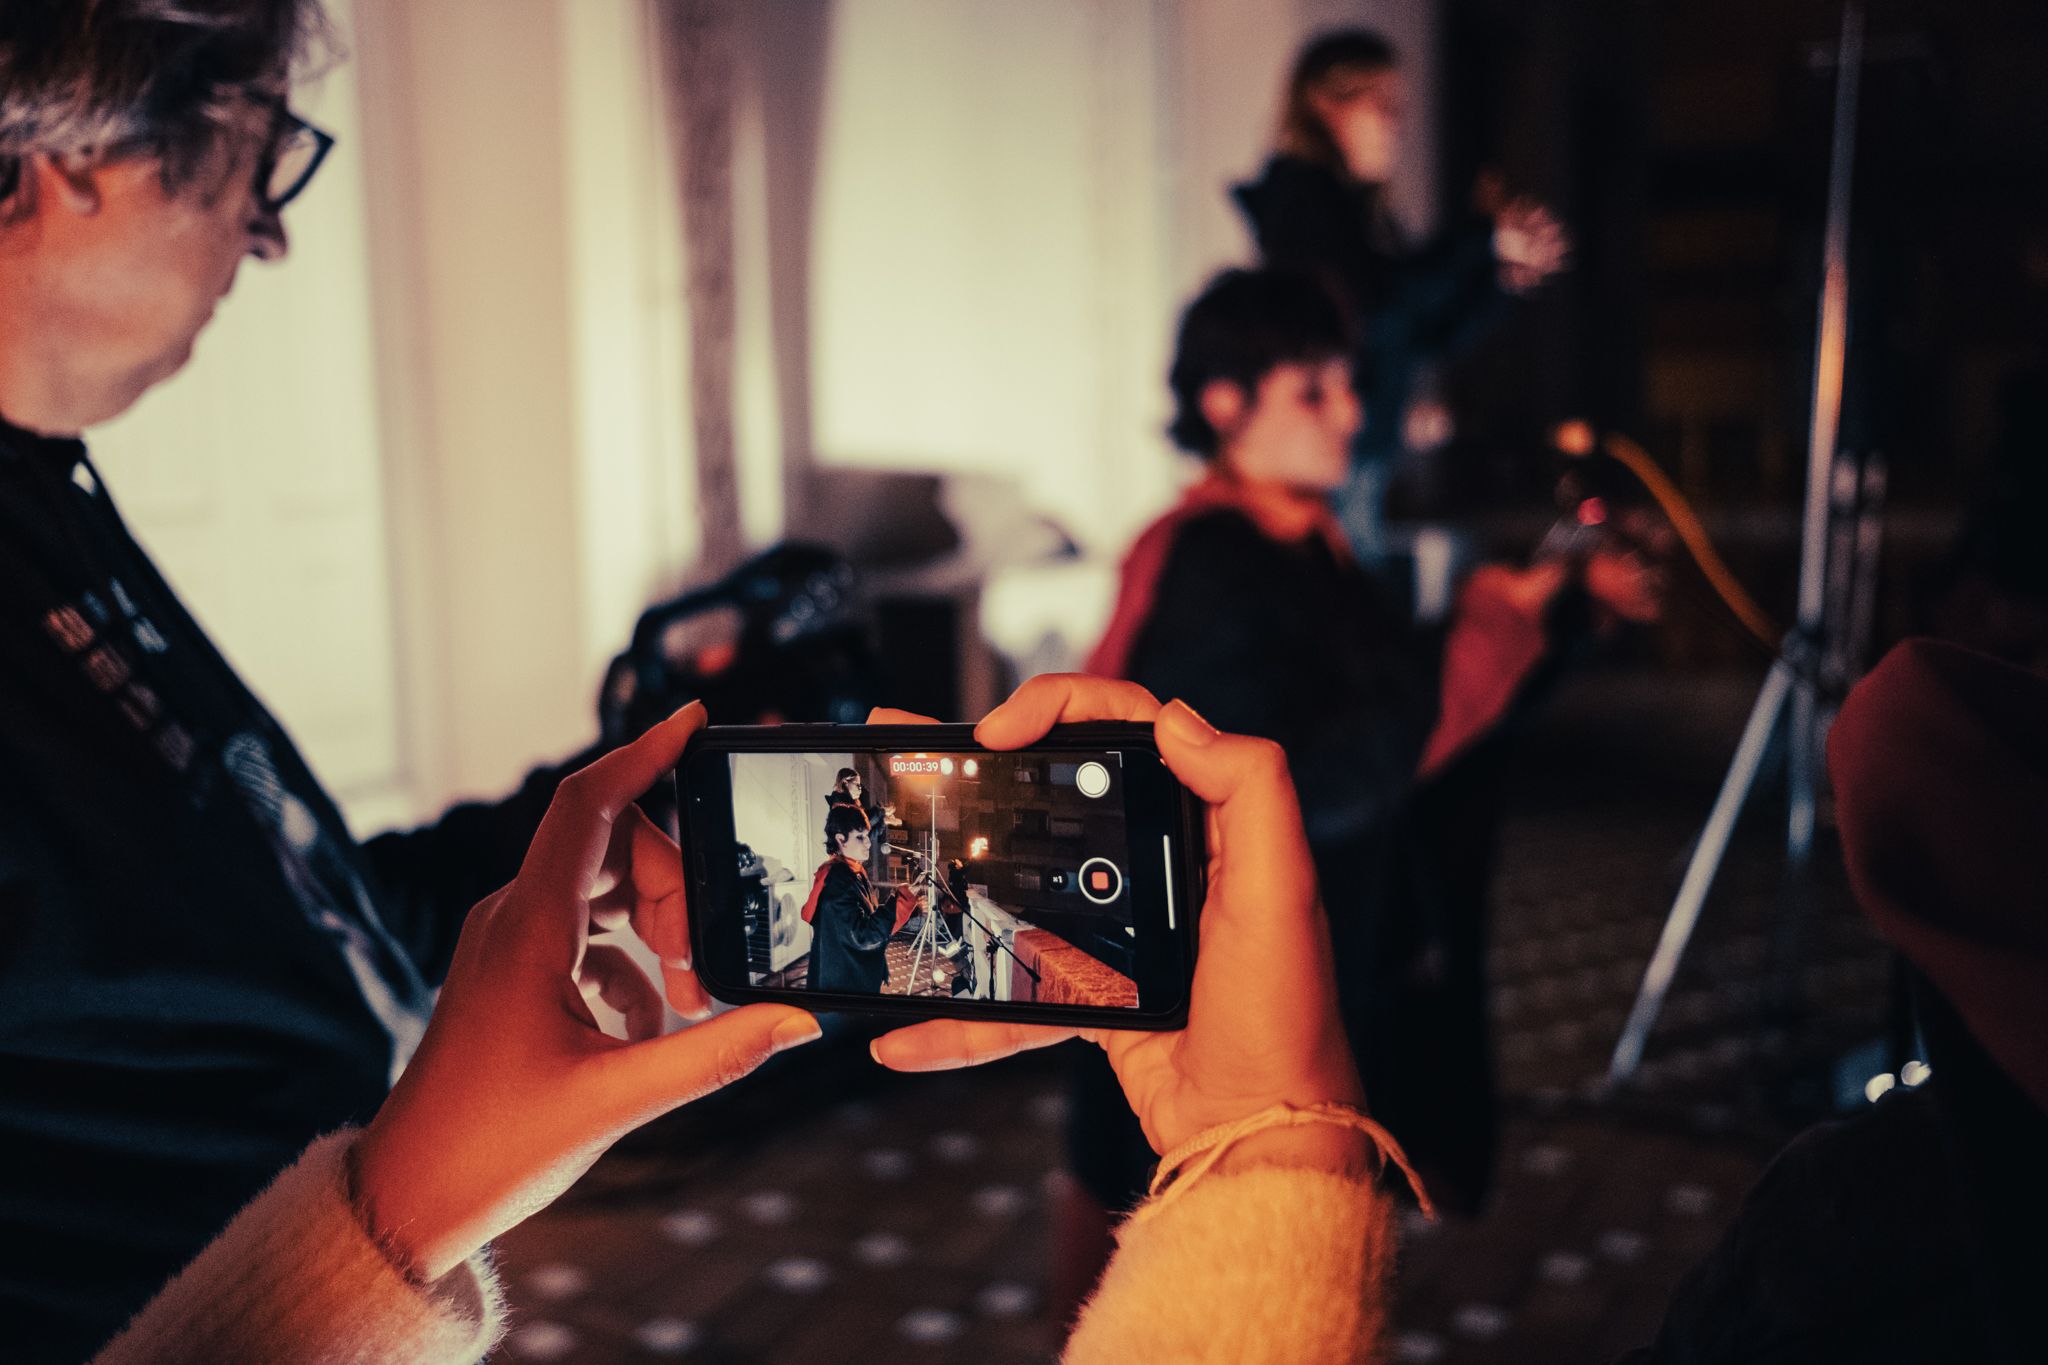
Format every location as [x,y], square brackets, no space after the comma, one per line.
[906,870]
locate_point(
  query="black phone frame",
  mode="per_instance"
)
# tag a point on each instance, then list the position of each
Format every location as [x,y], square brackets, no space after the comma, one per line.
[717,942]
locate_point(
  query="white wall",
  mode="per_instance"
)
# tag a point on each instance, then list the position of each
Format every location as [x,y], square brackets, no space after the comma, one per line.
[528,276]
[988,290]
[778,805]
[256,480]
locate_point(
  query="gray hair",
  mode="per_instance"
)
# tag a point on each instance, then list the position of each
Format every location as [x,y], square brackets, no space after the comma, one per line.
[96,77]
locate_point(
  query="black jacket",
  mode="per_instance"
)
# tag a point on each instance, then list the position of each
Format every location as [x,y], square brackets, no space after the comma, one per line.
[1910,1233]
[1412,304]
[850,933]
[200,970]
[1292,643]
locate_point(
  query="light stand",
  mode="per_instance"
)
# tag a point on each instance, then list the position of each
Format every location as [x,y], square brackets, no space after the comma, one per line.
[933,939]
[1825,633]
[936,887]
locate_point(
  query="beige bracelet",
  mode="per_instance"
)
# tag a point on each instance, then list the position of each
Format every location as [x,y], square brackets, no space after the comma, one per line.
[1180,1167]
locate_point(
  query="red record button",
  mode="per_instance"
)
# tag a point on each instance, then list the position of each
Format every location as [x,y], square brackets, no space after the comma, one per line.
[1100,881]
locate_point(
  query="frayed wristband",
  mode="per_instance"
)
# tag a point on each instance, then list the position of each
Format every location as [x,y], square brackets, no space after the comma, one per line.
[1180,1167]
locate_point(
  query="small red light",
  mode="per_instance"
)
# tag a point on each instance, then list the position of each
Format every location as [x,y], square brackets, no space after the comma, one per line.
[1592,511]
[1098,880]
[715,659]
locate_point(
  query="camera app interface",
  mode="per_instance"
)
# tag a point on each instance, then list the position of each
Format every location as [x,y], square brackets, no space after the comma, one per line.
[979,876]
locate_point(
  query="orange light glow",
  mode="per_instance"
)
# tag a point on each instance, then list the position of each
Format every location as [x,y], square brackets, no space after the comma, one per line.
[1574,437]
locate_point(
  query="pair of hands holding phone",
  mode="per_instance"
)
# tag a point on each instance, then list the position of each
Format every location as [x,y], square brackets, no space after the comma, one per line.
[515,1091]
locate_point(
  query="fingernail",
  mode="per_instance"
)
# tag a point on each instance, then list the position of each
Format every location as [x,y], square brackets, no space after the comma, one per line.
[679,964]
[1187,723]
[795,1033]
[688,708]
[875,1051]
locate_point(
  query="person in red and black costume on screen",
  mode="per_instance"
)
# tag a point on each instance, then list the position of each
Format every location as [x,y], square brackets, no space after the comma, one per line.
[850,923]
[1245,601]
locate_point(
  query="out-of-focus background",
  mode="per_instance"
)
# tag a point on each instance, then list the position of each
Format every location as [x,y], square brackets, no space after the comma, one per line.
[597,298]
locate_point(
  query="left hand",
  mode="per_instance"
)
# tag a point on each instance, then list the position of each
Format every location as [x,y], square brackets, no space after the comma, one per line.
[515,1091]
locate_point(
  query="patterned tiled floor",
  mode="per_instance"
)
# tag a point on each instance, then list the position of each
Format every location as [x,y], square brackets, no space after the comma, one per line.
[830,1213]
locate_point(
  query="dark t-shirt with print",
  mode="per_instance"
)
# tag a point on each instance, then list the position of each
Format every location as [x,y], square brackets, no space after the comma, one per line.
[200,969]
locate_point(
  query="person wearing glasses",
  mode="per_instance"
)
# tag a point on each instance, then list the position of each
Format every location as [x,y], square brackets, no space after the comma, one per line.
[200,970]
[849,790]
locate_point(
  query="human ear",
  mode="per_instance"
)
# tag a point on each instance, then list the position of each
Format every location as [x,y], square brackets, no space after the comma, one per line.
[71,179]
[1223,404]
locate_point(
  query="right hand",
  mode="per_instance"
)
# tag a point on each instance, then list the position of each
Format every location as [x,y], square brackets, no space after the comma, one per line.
[1626,585]
[1626,577]
[1262,1024]
[1530,245]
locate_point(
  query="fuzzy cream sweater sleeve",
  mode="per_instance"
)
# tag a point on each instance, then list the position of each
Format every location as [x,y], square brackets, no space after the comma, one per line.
[295,1278]
[1269,1266]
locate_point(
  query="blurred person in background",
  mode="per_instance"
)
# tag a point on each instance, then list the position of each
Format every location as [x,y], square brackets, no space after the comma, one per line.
[1245,600]
[1321,206]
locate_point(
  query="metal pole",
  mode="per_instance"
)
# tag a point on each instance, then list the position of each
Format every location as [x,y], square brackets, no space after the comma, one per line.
[1801,654]
[1831,351]
[1699,874]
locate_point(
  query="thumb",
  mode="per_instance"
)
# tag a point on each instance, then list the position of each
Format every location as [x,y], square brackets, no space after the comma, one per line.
[649,1079]
[1255,819]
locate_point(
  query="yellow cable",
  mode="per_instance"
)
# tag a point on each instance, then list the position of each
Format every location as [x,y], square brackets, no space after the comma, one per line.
[1694,536]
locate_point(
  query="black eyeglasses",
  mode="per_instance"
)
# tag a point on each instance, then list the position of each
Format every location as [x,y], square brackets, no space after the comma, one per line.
[296,150]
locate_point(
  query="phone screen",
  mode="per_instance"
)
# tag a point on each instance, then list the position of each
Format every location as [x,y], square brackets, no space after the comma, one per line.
[953,877]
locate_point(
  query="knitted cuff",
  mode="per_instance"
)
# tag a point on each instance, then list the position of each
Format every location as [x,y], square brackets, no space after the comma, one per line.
[1194,1158]
[296,1277]
[1269,1266]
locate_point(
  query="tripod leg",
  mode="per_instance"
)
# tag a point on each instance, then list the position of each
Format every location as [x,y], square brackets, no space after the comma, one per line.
[918,946]
[1804,771]
[1699,874]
